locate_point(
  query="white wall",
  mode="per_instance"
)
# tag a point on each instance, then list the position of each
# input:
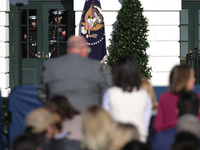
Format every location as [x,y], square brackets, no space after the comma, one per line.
[164,50]
[4,47]
[163,18]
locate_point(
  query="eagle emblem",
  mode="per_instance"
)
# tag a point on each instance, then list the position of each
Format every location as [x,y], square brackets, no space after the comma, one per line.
[93,21]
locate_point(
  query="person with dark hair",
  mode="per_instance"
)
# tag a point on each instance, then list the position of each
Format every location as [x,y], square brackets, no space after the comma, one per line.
[181,80]
[135,145]
[188,103]
[67,134]
[25,141]
[185,141]
[63,107]
[127,101]
[187,110]
[126,74]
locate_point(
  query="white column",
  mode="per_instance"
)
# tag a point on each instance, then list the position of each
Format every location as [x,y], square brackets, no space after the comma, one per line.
[4,47]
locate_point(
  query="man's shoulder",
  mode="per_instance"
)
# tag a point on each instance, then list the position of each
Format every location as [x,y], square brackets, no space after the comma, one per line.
[85,60]
[70,59]
[53,60]
[92,61]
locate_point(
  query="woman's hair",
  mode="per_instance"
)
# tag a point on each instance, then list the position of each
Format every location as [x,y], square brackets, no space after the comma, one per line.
[178,79]
[61,105]
[123,134]
[97,126]
[136,145]
[126,74]
[185,141]
[147,86]
[188,103]
[25,141]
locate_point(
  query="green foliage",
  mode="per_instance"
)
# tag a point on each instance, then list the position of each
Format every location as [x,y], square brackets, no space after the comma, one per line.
[5,117]
[129,37]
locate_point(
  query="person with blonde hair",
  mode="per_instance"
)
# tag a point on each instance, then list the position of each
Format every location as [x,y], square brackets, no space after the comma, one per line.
[97,126]
[146,84]
[123,133]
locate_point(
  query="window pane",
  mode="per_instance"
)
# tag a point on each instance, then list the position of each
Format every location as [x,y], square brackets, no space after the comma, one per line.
[65,17]
[199,45]
[33,17]
[23,17]
[184,16]
[24,38]
[57,32]
[184,49]
[199,32]
[32,42]
[199,16]
[29,33]
[24,50]
[32,50]
[184,33]
[24,33]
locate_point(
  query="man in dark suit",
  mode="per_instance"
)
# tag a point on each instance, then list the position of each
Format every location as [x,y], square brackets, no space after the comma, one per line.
[74,76]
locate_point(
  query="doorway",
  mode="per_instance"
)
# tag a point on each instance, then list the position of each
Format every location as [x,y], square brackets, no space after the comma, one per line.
[189,28]
[45,29]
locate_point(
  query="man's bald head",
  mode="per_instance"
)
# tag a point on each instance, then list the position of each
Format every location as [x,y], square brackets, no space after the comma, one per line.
[77,44]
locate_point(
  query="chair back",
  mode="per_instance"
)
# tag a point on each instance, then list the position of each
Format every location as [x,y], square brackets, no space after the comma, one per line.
[21,101]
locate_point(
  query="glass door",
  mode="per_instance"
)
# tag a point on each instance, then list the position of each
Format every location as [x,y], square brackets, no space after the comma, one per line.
[189,28]
[58,26]
[44,31]
[31,43]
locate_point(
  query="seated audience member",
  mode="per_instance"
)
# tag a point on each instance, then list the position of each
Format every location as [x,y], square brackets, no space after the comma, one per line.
[25,141]
[126,101]
[97,126]
[190,123]
[146,84]
[41,123]
[123,133]
[74,76]
[67,134]
[136,145]
[185,141]
[188,110]
[181,80]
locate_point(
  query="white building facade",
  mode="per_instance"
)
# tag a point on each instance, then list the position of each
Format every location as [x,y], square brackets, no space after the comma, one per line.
[164,35]
[163,18]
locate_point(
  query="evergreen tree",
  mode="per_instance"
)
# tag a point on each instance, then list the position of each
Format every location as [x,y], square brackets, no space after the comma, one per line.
[129,37]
